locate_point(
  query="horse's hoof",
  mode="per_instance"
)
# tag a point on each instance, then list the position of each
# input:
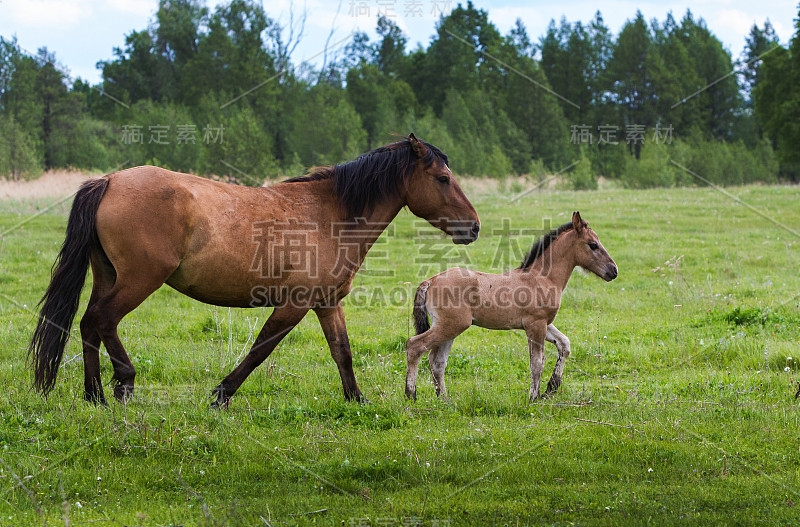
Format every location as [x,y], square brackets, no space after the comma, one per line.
[222,400]
[98,401]
[356,396]
[411,394]
[96,398]
[123,393]
[553,386]
[220,404]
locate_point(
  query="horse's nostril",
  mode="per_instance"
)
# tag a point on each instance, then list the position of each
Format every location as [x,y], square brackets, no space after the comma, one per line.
[476,228]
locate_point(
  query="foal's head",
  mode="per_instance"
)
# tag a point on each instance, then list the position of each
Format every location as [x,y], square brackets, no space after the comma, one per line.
[432,193]
[589,252]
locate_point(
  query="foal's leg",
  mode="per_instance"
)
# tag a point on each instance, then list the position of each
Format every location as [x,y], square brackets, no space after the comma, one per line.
[437,360]
[562,345]
[103,277]
[333,325]
[536,331]
[281,321]
[418,345]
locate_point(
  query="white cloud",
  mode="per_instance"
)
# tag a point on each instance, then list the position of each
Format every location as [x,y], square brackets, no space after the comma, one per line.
[48,13]
[505,17]
[134,7]
[735,20]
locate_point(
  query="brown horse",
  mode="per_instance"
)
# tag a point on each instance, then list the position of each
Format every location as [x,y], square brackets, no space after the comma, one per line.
[526,298]
[295,246]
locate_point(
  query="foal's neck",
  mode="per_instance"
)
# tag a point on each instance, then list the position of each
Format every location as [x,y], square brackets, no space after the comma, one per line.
[556,263]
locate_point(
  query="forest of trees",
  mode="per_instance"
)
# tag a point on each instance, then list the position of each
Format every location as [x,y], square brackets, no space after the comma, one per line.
[214,92]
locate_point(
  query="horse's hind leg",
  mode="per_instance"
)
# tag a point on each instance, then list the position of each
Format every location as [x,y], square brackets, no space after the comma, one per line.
[418,345]
[437,360]
[562,345]
[103,277]
[105,314]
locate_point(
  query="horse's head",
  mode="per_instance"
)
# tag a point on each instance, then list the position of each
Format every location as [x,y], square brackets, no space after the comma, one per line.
[434,195]
[589,252]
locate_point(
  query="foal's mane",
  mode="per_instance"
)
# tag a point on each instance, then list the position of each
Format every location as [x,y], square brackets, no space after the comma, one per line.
[541,245]
[373,177]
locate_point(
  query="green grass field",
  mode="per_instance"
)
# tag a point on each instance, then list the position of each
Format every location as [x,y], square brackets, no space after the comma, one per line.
[677,404]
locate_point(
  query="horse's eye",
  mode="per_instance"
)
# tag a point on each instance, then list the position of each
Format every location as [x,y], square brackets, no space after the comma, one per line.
[593,246]
[443,179]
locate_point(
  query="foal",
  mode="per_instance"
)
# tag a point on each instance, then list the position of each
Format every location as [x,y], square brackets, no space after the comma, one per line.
[526,298]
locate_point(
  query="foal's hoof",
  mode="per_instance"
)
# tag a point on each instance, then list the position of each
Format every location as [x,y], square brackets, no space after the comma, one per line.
[411,394]
[553,386]
[123,392]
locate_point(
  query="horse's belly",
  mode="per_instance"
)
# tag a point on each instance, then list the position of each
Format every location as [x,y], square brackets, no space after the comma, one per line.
[496,319]
[240,286]
[216,293]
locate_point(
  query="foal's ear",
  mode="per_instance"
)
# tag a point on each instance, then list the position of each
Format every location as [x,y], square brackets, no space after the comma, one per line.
[577,222]
[418,146]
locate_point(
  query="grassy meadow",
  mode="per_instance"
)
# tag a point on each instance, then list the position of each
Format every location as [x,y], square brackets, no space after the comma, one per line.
[677,404]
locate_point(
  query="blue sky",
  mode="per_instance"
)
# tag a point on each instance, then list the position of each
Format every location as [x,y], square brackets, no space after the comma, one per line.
[82,32]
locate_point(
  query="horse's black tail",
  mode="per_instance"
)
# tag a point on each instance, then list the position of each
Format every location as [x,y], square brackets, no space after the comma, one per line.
[421,323]
[60,302]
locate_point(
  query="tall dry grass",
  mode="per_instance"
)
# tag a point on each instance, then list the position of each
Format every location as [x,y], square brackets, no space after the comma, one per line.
[52,184]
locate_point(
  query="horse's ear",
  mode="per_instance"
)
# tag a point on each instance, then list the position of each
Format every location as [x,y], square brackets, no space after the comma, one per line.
[418,146]
[577,222]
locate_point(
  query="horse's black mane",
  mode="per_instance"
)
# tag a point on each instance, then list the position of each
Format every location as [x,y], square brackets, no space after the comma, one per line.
[541,245]
[373,177]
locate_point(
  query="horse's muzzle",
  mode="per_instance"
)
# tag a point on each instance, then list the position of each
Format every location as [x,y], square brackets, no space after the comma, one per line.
[465,236]
[610,273]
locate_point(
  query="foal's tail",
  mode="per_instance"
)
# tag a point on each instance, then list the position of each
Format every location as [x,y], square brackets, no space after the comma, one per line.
[60,302]
[421,323]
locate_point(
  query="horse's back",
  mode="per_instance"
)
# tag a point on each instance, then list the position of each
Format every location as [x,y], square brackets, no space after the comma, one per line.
[201,237]
[153,217]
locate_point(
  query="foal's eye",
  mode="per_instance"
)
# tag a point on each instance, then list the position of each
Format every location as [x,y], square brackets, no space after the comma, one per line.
[443,179]
[593,246]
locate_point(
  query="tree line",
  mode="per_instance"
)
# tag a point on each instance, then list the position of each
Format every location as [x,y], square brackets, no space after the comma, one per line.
[215,92]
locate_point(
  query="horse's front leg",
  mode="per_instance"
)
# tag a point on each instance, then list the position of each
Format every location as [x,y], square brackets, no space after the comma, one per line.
[562,345]
[536,330]
[278,325]
[333,325]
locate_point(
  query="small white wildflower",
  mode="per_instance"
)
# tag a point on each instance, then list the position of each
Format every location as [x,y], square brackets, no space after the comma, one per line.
[649,470]
[787,368]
